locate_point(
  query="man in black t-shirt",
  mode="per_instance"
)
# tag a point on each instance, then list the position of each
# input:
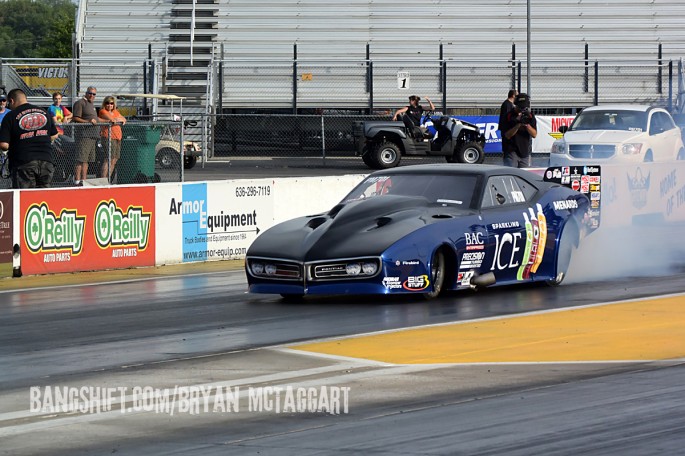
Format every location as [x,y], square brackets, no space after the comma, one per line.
[414,110]
[518,133]
[27,132]
[506,108]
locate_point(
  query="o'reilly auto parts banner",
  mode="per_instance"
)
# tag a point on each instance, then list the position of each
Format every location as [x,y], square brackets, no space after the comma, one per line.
[212,220]
[6,227]
[87,229]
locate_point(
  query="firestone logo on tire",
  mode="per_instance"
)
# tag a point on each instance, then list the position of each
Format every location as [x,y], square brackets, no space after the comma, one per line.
[44,230]
[113,227]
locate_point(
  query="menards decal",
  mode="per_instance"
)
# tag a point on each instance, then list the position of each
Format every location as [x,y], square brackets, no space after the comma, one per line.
[113,227]
[44,231]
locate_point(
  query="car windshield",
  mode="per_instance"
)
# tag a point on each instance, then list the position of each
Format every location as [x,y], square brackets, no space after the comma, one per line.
[436,188]
[611,120]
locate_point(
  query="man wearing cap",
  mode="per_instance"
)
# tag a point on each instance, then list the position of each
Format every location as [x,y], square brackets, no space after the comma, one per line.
[28,131]
[3,106]
[518,133]
[414,110]
[86,136]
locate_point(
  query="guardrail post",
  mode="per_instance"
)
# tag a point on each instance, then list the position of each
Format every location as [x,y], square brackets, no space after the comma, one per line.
[444,87]
[659,82]
[519,77]
[221,87]
[596,96]
[513,65]
[323,140]
[586,78]
[370,87]
[295,78]
[670,86]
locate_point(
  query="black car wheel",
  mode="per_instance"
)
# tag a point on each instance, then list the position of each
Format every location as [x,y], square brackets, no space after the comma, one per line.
[367,158]
[470,152]
[168,158]
[566,245]
[437,275]
[387,155]
[189,161]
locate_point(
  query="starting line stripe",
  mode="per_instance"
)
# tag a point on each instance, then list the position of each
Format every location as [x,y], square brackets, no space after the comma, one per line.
[643,330]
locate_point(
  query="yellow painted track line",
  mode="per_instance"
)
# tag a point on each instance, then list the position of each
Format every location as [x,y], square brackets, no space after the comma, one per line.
[652,329]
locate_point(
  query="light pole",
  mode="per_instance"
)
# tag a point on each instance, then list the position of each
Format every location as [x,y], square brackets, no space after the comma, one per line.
[528,46]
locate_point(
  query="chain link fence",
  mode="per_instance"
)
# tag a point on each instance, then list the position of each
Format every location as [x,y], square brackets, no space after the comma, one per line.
[147,152]
[285,135]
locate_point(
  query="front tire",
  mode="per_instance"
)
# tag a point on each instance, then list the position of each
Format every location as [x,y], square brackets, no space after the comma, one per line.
[437,275]
[367,158]
[471,153]
[386,155]
[189,162]
[168,158]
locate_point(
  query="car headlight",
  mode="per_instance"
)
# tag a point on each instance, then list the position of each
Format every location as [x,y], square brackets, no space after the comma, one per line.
[270,269]
[257,268]
[559,147]
[353,269]
[632,149]
[369,268]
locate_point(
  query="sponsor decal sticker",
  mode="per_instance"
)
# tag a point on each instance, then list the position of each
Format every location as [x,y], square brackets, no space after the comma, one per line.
[392,283]
[416,283]
[565,205]
[505,225]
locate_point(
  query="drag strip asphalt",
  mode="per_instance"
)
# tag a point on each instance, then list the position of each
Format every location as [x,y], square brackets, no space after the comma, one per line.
[168,327]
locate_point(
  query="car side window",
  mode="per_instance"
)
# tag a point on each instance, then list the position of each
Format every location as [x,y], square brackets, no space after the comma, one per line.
[526,188]
[661,122]
[502,191]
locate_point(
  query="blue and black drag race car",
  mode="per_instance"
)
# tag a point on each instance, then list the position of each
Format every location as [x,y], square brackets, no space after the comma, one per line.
[430,228]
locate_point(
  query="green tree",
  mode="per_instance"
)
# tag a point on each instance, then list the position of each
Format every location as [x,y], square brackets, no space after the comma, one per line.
[36,28]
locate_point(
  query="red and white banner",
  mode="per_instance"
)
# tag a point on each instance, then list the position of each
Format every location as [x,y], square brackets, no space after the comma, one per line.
[87,229]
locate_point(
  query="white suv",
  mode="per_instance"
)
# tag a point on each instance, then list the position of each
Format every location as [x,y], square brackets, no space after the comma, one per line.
[618,133]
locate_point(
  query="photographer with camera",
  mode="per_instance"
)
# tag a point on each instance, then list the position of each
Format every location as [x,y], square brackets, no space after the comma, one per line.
[519,131]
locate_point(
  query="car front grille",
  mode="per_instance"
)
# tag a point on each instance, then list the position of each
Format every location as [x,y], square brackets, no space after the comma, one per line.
[596,151]
[275,269]
[338,269]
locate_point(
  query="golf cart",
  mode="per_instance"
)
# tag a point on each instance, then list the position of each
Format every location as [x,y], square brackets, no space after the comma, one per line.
[381,144]
[167,150]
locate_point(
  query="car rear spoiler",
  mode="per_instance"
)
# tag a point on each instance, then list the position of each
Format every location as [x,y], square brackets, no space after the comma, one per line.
[583,179]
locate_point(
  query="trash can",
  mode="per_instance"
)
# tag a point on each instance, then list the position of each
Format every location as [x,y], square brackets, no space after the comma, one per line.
[137,162]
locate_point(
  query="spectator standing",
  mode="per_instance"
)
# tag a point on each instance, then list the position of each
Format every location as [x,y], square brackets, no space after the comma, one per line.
[60,114]
[519,131]
[3,106]
[86,136]
[506,108]
[27,132]
[109,114]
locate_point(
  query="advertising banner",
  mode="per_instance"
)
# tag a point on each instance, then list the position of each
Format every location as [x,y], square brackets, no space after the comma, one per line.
[45,78]
[6,234]
[87,229]
[548,131]
[213,220]
[652,192]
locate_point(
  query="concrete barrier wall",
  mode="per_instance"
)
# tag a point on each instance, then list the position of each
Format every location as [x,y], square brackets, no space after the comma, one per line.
[80,229]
